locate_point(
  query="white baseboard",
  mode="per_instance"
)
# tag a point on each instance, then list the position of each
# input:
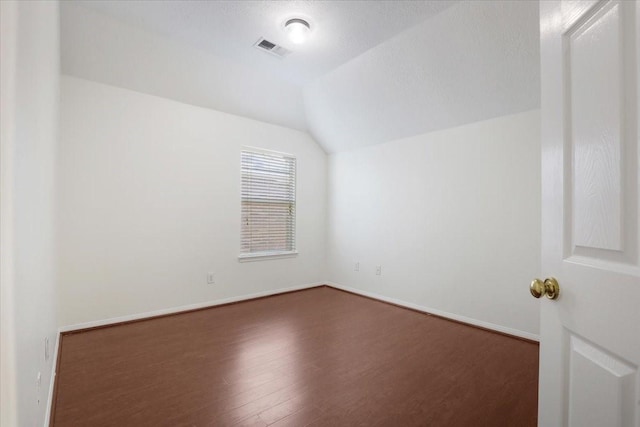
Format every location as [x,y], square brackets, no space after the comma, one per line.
[172,310]
[52,382]
[429,310]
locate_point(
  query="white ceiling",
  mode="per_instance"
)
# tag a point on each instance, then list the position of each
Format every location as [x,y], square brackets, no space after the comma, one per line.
[474,61]
[341,29]
[99,48]
[372,71]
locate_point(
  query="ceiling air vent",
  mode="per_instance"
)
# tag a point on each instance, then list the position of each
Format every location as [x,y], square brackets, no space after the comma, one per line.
[272,48]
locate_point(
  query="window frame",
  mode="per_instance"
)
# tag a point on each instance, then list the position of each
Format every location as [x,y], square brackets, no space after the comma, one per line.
[268,254]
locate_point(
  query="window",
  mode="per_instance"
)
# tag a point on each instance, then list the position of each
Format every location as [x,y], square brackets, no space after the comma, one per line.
[268,204]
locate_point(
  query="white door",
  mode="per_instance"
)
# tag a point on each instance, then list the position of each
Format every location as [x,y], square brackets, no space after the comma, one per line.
[590,335]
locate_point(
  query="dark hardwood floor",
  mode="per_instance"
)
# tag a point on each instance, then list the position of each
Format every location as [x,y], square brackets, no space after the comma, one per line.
[319,357]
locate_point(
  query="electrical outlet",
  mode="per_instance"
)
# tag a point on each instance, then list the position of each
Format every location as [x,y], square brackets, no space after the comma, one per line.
[211,278]
[356,266]
[379,270]
[38,386]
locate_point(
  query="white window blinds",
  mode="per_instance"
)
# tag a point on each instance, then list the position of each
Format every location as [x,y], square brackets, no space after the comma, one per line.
[268,204]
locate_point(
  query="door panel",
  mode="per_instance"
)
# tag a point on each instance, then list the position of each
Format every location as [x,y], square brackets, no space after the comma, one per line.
[592,50]
[600,136]
[590,335]
[611,402]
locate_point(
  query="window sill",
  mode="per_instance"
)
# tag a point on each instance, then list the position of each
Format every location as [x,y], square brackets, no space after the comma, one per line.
[263,256]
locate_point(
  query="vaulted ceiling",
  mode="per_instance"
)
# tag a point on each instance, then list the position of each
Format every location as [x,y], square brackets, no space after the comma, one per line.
[371,72]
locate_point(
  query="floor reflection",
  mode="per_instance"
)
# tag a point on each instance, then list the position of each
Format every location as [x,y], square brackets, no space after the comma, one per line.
[265,378]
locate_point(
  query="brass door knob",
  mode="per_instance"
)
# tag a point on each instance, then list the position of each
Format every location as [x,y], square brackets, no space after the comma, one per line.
[549,287]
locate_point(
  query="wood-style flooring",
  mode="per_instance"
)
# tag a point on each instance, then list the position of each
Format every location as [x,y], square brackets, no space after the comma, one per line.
[319,357]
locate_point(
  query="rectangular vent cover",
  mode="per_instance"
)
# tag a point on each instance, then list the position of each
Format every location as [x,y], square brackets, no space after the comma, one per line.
[272,48]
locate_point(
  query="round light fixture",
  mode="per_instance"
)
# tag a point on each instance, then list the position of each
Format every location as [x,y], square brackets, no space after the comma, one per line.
[298,30]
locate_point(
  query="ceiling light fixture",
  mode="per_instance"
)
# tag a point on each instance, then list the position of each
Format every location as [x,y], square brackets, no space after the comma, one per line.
[298,30]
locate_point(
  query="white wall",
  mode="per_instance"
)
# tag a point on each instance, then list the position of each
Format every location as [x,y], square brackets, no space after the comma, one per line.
[453,218]
[149,203]
[30,79]
[8,41]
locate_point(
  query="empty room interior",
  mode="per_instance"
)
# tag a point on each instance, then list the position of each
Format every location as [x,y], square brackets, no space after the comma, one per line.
[319,213]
